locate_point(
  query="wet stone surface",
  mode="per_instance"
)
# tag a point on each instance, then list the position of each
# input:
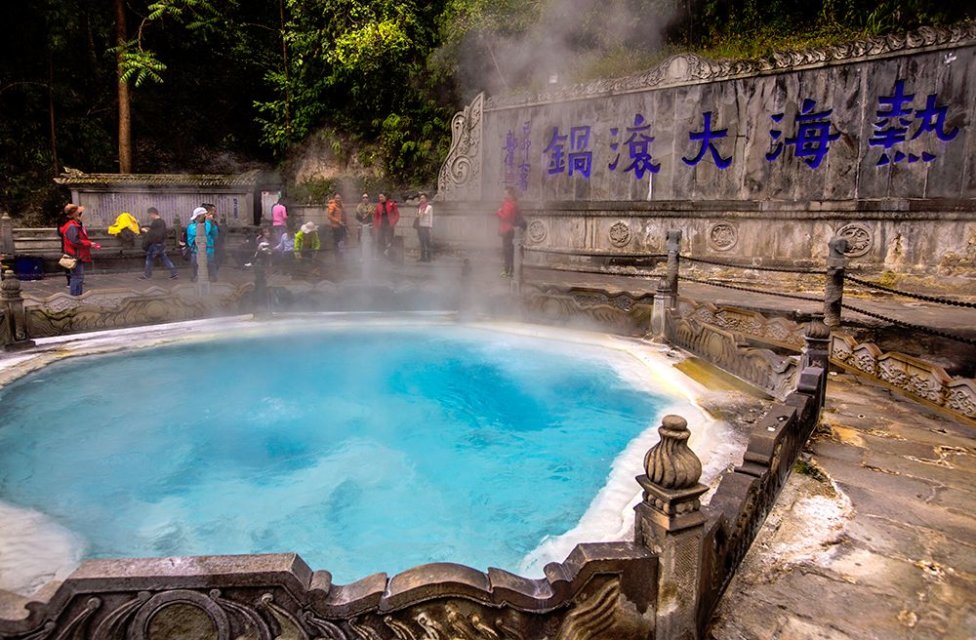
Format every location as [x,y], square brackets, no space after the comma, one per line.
[875,539]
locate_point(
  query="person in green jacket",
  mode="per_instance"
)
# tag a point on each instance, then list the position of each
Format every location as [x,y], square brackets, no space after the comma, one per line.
[307,240]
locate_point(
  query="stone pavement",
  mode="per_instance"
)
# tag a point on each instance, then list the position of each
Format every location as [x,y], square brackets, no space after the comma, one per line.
[874,536]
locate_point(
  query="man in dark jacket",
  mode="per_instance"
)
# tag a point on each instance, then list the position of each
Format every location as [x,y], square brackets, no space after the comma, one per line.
[155,245]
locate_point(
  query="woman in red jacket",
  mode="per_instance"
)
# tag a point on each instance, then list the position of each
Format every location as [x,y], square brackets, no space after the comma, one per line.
[75,243]
[385,218]
[508,215]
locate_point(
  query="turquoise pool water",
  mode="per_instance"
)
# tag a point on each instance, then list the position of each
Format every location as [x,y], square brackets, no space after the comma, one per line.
[362,450]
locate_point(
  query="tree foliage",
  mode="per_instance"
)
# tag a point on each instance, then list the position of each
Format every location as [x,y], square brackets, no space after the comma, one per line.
[361,67]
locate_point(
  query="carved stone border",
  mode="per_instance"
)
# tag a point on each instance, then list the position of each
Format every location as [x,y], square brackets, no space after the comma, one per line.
[686,69]
[461,171]
[920,380]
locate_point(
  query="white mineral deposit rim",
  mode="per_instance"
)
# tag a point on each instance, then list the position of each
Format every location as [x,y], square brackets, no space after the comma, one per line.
[610,515]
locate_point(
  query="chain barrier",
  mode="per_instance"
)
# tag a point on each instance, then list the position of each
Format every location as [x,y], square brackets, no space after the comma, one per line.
[909,325]
[751,290]
[917,296]
[718,263]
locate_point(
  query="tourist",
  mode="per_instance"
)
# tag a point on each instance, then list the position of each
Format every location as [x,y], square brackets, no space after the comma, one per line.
[199,222]
[424,224]
[364,216]
[219,252]
[279,219]
[385,219]
[155,245]
[508,217]
[337,220]
[125,228]
[283,251]
[75,243]
[307,241]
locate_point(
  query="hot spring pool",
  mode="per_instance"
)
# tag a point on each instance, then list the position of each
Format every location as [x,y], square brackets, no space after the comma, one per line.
[362,446]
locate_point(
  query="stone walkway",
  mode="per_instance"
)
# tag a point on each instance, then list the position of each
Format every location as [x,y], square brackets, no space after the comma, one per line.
[875,534]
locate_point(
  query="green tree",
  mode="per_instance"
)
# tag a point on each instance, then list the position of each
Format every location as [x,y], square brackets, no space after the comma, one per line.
[361,67]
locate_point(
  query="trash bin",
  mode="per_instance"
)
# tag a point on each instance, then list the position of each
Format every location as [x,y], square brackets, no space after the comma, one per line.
[29,267]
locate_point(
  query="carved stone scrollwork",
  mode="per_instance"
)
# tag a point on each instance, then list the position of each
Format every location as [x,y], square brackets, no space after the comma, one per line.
[722,236]
[859,239]
[461,171]
[619,234]
[536,232]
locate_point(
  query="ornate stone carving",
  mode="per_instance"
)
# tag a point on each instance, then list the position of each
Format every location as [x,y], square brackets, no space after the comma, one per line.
[859,239]
[908,375]
[619,234]
[621,313]
[722,236]
[536,232]
[595,593]
[761,367]
[671,464]
[460,174]
[687,69]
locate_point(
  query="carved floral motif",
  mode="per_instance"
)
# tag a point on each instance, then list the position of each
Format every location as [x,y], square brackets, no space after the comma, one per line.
[619,234]
[723,236]
[536,232]
[859,239]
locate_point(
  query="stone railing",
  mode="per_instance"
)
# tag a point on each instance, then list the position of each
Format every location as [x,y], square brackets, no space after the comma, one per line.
[910,376]
[619,311]
[913,377]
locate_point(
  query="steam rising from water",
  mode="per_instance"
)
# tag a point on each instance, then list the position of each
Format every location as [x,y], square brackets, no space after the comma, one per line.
[567,38]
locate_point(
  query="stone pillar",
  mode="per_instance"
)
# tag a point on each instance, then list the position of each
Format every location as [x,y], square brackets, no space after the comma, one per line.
[659,311]
[834,292]
[7,247]
[674,247]
[669,522]
[816,353]
[14,317]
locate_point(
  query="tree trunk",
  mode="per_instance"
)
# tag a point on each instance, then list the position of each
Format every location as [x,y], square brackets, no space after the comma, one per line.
[55,165]
[125,119]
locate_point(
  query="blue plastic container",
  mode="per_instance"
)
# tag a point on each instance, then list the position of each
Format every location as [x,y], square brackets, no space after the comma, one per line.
[29,268]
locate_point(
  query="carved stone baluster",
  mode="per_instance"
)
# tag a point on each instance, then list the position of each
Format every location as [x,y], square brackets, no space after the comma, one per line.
[670,523]
[834,291]
[14,318]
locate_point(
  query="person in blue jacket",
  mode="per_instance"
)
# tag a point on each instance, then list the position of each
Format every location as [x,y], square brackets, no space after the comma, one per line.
[199,222]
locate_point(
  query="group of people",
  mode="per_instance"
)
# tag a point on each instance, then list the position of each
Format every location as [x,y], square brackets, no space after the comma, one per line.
[377,224]
[375,227]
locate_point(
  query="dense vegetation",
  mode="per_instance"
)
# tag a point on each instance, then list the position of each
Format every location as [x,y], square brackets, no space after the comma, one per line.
[225,85]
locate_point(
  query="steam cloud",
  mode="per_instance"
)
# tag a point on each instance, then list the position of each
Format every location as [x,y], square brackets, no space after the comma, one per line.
[565,43]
